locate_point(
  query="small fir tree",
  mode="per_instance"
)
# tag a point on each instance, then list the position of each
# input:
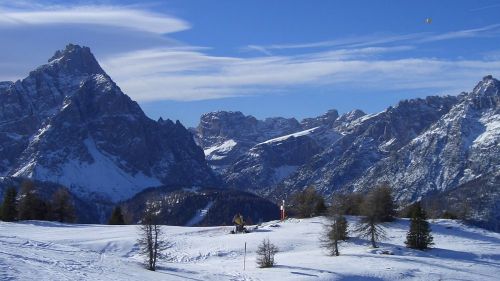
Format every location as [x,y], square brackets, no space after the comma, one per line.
[419,236]
[9,206]
[116,217]
[265,254]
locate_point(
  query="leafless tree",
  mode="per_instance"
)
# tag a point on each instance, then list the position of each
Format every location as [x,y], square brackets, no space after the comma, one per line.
[265,254]
[151,240]
[335,229]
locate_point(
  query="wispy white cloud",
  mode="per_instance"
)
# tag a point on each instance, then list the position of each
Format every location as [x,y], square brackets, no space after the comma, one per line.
[257,48]
[111,16]
[174,74]
[492,6]
[359,41]
[384,39]
[486,31]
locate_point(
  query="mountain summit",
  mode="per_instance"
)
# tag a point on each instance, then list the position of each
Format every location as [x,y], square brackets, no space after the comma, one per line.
[75,58]
[70,124]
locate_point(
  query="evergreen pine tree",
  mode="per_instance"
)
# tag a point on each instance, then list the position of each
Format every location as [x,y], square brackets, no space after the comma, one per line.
[419,236]
[116,217]
[31,207]
[62,209]
[9,208]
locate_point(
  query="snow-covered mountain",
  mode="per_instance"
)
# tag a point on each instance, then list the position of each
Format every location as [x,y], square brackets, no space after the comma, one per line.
[226,135]
[366,141]
[421,147]
[254,154]
[70,124]
[461,146]
[269,162]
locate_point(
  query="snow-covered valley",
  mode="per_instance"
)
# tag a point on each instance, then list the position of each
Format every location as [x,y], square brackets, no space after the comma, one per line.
[35,250]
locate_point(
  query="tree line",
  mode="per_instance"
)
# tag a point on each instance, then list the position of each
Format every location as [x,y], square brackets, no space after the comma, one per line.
[28,205]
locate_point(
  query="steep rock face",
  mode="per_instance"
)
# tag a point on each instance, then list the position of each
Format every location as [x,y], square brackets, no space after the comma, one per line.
[365,141]
[226,135]
[461,146]
[254,155]
[326,119]
[69,123]
[268,163]
[26,104]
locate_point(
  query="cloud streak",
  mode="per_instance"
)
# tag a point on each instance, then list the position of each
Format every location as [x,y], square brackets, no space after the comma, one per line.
[486,31]
[377,40]
[111,16]
[186,75]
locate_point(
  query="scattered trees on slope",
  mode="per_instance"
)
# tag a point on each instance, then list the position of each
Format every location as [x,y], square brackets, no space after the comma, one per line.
[308,203]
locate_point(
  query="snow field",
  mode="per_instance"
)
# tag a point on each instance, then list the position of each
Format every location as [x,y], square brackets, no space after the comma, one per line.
[52,251]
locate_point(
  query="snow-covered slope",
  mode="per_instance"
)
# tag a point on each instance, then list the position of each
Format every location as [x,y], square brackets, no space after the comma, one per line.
[52,251]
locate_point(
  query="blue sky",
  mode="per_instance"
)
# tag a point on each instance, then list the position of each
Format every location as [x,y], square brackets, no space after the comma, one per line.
[182,58]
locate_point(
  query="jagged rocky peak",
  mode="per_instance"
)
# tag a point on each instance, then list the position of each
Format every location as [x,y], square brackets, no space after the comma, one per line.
[486,94]
[489,86]
[221,118]
[69,123]
[4,85]
[224,125]
[326,119]
[76,58]
[219,126]
[348,117]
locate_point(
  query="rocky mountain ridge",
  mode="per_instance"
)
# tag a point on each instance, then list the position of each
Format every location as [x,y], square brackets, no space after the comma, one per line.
[421,147]
[70,124]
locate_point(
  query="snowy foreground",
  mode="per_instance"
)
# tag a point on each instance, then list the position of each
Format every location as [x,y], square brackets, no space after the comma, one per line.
[51,251]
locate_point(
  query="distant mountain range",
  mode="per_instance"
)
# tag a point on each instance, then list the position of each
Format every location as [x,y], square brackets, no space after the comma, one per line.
[421,147]
[68,124]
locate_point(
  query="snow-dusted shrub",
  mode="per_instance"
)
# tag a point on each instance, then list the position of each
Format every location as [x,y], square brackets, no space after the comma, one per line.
[265,254]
